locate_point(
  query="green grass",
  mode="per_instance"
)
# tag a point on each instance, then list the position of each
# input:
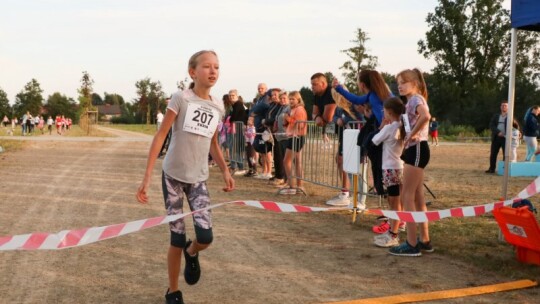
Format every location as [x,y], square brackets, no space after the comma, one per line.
[141,128]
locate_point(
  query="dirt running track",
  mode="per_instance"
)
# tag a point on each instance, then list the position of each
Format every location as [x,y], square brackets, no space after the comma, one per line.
[257,256]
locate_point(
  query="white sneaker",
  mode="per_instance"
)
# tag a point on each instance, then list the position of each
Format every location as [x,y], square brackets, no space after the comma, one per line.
[262,176]
[342,199]
[240,172]
[386,240]
[359,205]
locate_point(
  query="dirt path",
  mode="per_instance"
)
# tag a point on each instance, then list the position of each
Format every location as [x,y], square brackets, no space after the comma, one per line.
[257,257]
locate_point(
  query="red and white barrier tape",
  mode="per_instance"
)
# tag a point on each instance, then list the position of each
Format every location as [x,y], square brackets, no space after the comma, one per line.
[84,236]
[430,216]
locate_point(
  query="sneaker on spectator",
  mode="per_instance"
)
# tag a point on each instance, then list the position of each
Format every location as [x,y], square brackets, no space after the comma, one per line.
[287,191]
[386,240]
[381,228]
[240,172]
[250,173]
[174,297]
[405,249]
[361,206]
[402,226]
[261,176]
[192,271]
[342,199]
[425,246]
[279,182]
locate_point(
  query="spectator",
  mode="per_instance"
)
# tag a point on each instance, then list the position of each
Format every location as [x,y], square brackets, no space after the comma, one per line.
[416,156]
[498,135]
[238,119]
[375,90]
[280,139]
[296,123]
[434,131]
[391,136]
[530,131]
[514,143]
[159,119]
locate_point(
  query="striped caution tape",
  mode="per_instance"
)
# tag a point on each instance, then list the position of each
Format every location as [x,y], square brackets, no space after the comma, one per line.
[430,216]
[84,236]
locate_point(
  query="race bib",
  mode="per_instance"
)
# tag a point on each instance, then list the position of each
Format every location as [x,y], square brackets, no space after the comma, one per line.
[201,120]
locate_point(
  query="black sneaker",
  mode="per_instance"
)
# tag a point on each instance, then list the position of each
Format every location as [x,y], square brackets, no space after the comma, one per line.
[192,271]
[490,171]
[174,298]
[426,247]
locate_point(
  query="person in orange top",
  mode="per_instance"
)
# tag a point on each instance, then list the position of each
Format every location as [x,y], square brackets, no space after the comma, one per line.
[296,123]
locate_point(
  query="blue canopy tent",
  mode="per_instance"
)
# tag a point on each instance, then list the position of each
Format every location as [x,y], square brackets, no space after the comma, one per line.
[525,15]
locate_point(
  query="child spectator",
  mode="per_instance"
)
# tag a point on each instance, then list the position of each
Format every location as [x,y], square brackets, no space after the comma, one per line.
[391,136]
[434,131]
[250,151]
[296,133]
[514,144]
[411,84]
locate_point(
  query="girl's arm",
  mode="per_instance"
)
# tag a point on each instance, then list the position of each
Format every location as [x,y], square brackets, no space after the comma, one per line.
[155,148]
[217,156]
[355,99]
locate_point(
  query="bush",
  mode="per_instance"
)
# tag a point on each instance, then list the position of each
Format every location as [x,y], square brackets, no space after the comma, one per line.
[124,119]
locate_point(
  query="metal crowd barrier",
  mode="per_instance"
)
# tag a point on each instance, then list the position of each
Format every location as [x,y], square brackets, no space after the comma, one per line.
[319,154]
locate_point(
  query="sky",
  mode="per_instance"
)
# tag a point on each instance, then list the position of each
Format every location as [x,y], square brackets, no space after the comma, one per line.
[119,42]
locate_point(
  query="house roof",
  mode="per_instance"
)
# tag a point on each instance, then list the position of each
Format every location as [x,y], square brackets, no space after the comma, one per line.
[109,109]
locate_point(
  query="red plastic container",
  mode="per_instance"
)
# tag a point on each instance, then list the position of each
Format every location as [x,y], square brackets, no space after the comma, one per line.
[520,229]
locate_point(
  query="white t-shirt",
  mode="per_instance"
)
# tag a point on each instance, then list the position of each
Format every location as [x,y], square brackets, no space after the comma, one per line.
[192,131]
[411,106]
[392,147]
[159,117]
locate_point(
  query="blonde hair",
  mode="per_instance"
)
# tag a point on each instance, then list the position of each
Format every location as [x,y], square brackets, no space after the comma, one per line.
[192,64]
[417,77]
[297,96]
[343,103]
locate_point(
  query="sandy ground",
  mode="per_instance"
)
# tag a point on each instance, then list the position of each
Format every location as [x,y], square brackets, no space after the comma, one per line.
[257,256]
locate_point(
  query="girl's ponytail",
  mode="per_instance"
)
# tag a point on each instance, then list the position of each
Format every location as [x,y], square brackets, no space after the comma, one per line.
[421,83]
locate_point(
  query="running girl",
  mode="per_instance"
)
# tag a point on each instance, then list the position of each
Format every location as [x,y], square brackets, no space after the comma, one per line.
[194,115]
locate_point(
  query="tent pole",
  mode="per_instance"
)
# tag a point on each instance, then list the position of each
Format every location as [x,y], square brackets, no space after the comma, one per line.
[510,114]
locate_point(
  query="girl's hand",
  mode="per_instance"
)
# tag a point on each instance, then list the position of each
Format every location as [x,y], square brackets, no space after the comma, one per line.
[229,181]
[335,83]
[141,195]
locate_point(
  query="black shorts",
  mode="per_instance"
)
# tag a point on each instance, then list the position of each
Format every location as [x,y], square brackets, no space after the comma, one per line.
[417,155]
[298,143]
[261,146]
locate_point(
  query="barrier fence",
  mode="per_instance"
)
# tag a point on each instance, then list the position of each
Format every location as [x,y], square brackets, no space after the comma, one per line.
[318,154]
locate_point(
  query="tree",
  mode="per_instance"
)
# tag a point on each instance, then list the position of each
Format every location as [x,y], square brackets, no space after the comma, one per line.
[5,108]
[359,60]
[307,97]
[58,104]
[150,98]
[113,99]
[470,43]
[85,92]
[29,99]
[96,100]
[182,84]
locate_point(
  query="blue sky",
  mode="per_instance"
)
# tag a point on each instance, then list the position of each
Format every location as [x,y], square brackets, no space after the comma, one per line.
[119,42]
